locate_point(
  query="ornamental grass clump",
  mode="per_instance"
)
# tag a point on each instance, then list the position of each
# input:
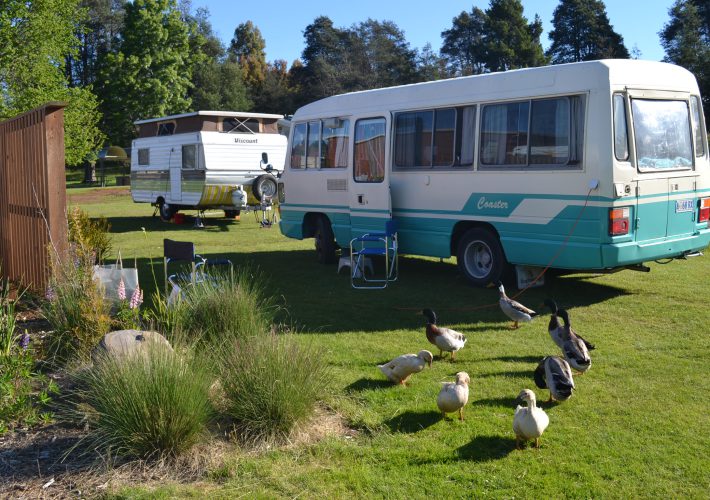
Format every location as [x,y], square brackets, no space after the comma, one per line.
[271,384]
[153,403]
[226,305]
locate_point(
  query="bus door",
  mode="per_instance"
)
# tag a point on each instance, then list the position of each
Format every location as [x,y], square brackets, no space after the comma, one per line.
[370,200]
[666,198]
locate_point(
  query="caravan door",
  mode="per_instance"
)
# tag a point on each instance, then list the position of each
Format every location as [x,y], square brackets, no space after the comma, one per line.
[370,200]
[175,174]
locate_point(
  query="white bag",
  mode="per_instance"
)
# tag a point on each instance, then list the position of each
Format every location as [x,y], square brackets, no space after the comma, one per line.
[108,278]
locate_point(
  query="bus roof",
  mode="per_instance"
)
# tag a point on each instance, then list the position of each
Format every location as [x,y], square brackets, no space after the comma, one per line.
[545,80]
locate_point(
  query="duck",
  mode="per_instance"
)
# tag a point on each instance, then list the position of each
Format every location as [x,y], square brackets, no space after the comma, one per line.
[445,339]
[529,421]
[554,373]
[573,347]
[555,329]
[453,396]
[402,367]
[514,309]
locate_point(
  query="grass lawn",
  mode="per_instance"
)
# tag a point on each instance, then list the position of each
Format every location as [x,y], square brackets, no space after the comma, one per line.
[637,425]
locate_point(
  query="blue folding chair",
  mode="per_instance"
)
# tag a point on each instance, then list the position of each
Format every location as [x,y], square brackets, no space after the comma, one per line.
[374,244]
[184,251]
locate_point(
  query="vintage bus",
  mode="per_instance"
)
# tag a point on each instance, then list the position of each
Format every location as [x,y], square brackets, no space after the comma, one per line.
[597,166]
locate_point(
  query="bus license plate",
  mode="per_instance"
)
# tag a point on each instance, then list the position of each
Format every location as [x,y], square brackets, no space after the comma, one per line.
[684,206]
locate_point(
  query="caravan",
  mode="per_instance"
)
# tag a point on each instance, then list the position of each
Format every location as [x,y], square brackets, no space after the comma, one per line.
[206,159]
[599,166]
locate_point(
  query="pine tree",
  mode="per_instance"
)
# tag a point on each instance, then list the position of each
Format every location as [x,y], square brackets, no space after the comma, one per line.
[510,42]
[582,32]
[248,49]
[464,43]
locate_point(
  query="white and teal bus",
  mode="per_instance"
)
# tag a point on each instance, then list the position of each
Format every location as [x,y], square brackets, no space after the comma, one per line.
[597,166]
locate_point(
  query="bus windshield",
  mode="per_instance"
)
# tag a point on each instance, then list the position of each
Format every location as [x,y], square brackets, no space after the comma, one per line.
[662,134]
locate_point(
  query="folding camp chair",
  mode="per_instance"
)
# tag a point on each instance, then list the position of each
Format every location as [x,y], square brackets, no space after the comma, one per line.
[374,244]
[184,251]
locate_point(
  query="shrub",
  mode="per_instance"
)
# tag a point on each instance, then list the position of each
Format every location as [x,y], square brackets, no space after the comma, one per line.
[271,384]
[91,235]
[222,306]
[8,335]
[75,307]
[150,404]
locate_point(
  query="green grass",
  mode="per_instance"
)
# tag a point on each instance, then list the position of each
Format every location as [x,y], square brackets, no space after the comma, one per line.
[637,425]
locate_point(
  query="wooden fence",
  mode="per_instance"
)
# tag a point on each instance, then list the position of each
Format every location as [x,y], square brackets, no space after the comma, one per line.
[32,194]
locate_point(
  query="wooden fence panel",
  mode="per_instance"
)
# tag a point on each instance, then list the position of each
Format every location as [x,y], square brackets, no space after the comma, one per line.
[32,194]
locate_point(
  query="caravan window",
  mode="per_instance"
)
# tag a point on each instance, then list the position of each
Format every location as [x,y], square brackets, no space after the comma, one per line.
[240,125]
[662,134]
[539,132]
[369,153]
[189,156]
[144,156]
[167,128]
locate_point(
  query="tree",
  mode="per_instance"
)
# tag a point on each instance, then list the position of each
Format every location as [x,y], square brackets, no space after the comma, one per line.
[217,82]
[686,40]
[248,49]
[36,37]
[430,66]
[582,32]
[510,42]
[464,43]
[150,73]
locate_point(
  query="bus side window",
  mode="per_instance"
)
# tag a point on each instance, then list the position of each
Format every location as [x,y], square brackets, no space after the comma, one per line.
[313,145]
[369,153]
[697,126]
[298,146]
[621,136]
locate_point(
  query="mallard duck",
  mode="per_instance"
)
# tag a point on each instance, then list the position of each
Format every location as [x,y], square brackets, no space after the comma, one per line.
[445,339]
[555,329]
[554,373]
[402,367]
[573,347]
[514,309]
[453,396]
[529,422]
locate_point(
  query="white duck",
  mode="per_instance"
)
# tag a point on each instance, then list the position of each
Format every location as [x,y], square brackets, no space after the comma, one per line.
[454,395]
[529,422]
[514,309]
[573,347]
[554,373]
[445,339]
[555,329]
[402,367]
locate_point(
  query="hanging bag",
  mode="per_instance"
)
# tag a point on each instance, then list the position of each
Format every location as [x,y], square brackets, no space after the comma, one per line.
[109,276]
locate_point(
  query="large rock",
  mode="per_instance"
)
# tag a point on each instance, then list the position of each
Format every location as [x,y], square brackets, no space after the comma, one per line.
[123,342]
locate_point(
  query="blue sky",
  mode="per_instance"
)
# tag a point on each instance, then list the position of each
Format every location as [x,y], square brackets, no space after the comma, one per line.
[282,21]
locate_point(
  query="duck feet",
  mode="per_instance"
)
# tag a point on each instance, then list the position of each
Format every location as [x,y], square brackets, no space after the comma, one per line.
[461,414]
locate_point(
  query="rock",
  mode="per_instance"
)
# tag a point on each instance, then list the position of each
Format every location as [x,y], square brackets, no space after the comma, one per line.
[122,342]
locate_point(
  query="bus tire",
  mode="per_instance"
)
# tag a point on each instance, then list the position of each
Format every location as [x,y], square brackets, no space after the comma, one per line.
[480,257]
[264,186]
[324,241]
[166,211]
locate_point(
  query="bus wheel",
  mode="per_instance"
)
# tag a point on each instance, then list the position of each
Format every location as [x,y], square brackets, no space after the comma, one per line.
[480,257]
[325,241]
[166,211]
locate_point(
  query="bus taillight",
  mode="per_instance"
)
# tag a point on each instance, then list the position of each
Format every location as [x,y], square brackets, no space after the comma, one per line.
[704,209]
[618,221]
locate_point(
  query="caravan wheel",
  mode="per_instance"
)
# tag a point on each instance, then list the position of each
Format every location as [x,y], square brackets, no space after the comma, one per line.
[166,211]
[264,186]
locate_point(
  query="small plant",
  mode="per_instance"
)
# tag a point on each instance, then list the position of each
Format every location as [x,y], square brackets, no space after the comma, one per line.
[128,313]
[75,307]
[91,235]
[7,319]
[152,403]
[271,384]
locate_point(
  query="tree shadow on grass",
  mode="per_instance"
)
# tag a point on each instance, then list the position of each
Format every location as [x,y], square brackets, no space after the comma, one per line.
[485,448]
[502,402]
[517,359]
[413,421]
[368,384]
[507,373]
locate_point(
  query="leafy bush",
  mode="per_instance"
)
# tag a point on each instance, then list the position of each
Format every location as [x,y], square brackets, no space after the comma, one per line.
[8,335]
[75,307]
[271,384]
[150,404]
[23,391]
[90,235]
[224,305]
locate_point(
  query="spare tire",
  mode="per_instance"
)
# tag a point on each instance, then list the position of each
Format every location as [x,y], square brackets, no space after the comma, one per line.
[264,187]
